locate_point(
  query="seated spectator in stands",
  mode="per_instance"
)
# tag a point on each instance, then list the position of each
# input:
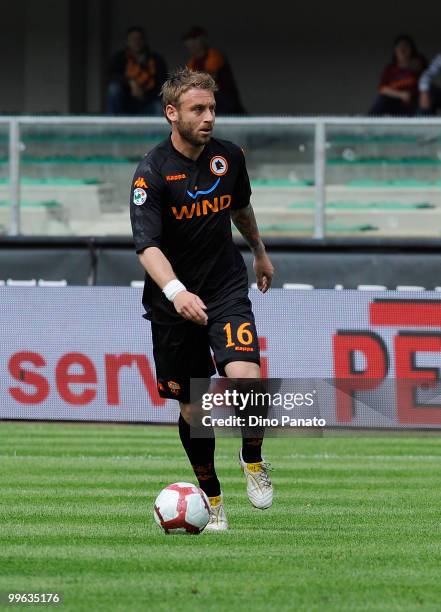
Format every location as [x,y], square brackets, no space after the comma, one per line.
[398,89]
[136,78]
[430,94]
[206,58]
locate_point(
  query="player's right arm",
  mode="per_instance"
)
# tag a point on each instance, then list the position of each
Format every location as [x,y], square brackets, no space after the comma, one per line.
[187,304]
[146,218]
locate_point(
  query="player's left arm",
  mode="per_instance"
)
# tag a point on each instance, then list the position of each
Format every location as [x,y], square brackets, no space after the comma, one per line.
[245,221]
[242,215]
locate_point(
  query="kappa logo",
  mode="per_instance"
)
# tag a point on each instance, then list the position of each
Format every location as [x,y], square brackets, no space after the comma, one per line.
[175,177]
[139,197]
[174,387]
[140,182]
[218,165]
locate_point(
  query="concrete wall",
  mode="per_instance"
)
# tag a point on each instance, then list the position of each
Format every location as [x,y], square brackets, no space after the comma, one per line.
[46,57]
[97,52]
[12,57]
[43,52]
[292,58]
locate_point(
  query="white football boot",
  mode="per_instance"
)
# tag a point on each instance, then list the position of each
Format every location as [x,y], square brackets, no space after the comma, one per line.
[218,518]
[259,486]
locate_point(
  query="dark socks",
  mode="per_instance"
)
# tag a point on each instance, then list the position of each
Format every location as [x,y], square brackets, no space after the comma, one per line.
[252,450]
[252,436]
[200,452]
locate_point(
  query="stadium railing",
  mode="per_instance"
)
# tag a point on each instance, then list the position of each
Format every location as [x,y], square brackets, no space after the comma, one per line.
[311,176]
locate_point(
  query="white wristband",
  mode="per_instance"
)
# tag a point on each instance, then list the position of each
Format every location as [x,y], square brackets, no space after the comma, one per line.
[172,289]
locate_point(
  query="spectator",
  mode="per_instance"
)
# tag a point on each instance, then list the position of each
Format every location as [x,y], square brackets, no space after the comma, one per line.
[207,59]
[430,94]
[398,89]
[136,78]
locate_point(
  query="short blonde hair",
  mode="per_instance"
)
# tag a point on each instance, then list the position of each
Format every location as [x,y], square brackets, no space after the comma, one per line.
[183,79]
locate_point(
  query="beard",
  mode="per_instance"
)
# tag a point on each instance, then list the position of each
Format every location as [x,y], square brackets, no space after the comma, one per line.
[191,134]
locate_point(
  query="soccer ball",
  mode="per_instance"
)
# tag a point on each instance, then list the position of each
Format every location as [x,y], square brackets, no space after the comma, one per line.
[182,508]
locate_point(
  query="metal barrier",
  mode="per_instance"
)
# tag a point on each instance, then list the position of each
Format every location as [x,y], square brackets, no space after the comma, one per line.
[320,126]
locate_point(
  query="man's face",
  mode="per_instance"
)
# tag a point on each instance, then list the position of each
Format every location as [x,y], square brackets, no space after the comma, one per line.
[194,116]
[195,45]
[403,52]
[135,41]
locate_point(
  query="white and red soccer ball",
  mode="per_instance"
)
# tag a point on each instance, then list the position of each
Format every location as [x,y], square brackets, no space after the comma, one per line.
[182,508]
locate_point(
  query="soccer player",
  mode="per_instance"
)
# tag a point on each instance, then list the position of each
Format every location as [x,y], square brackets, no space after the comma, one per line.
[185,192]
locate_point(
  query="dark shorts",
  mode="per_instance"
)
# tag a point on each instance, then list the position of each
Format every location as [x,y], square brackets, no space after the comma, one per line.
[182,351]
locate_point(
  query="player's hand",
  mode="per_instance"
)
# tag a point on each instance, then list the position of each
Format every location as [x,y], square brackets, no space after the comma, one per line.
[191,307]
[406,97]
[264,271]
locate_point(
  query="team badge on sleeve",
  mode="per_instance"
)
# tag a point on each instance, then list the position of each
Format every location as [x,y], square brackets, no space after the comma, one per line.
[218,165]
[139,196]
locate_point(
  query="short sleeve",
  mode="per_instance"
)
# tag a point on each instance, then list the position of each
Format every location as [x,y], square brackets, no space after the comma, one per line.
[146,207]
[242,188]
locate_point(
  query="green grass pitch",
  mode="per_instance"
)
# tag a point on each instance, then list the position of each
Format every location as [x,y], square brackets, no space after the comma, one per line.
[355,524]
